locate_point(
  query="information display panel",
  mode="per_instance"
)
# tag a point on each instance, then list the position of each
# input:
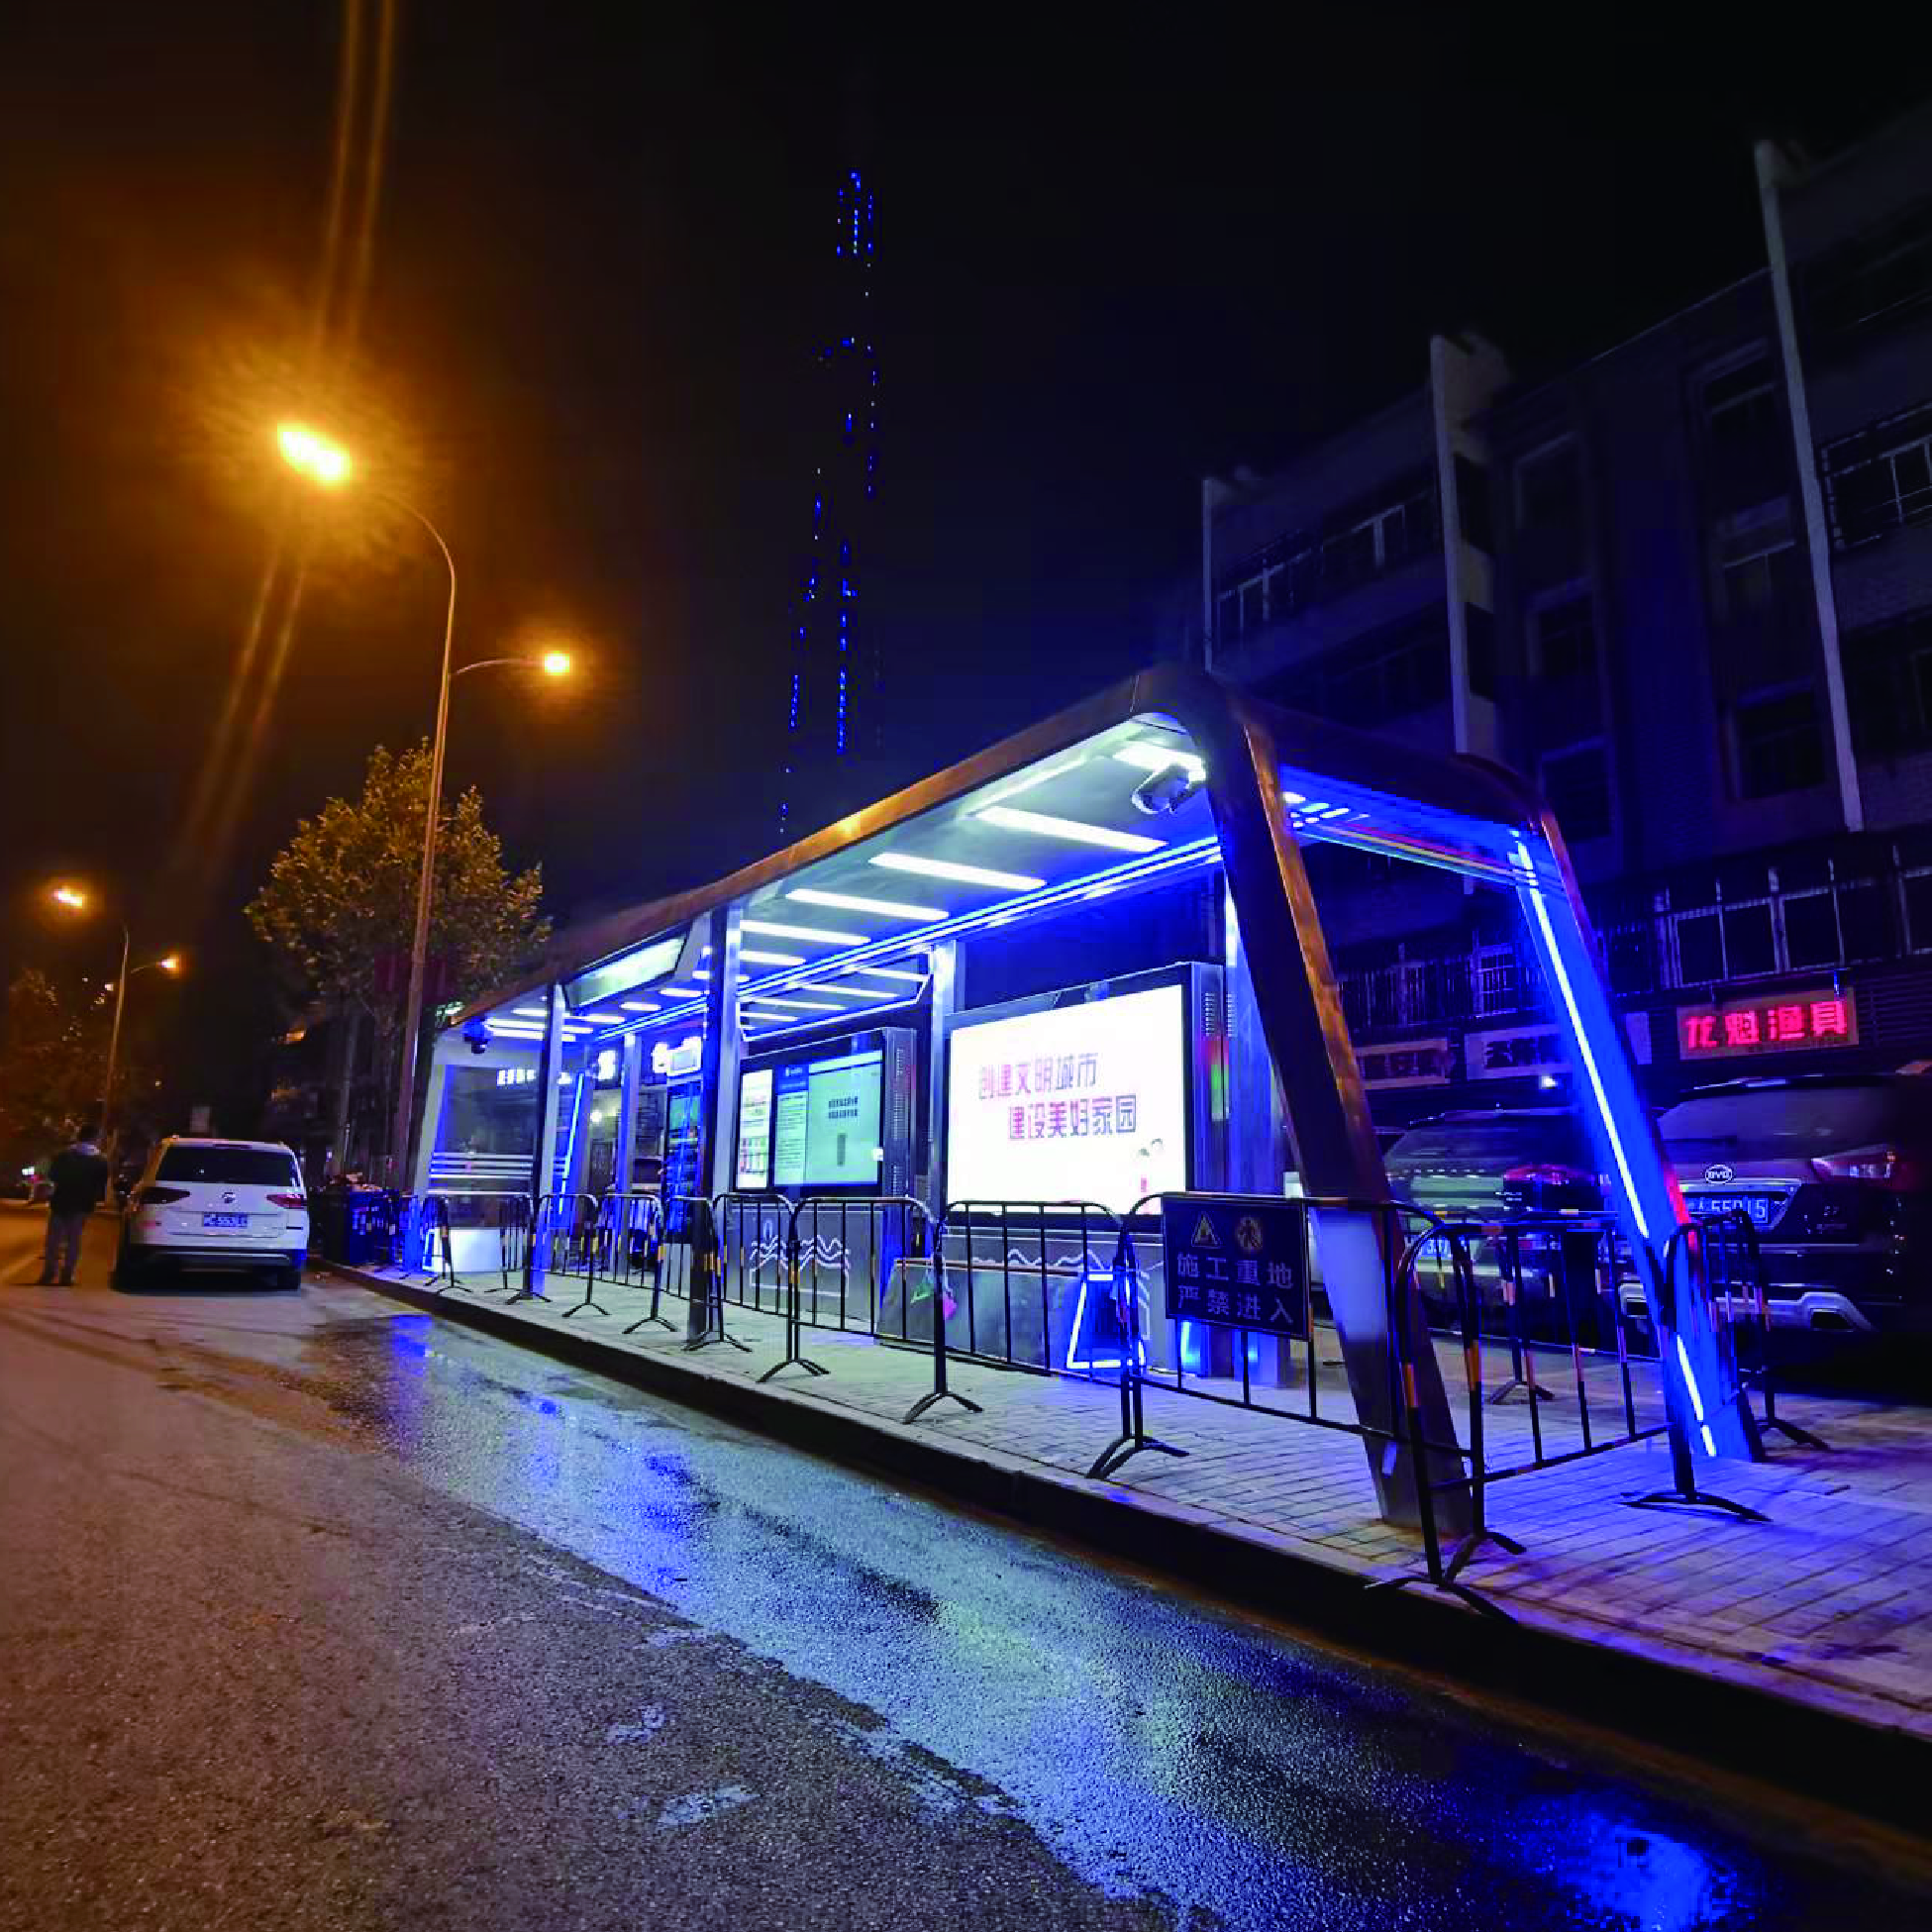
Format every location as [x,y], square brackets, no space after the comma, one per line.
[813,1123]
[755,1130]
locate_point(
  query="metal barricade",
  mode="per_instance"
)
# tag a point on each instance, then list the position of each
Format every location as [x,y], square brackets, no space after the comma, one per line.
[846,1259]
[1734,1268]
[669,1244]
[451,1218]
[1013,1267]
[562,1225]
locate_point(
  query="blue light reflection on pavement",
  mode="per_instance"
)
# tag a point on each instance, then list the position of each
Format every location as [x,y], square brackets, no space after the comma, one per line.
[1158,1747]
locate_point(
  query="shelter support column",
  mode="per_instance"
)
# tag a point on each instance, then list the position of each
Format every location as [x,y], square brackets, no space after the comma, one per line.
[1327,1112]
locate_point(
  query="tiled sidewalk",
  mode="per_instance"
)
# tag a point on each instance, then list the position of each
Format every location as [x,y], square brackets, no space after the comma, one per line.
[1828,1602]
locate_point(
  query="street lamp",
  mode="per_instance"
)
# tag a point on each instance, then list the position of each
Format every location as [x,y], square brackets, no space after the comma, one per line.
[72,899]
[326,463]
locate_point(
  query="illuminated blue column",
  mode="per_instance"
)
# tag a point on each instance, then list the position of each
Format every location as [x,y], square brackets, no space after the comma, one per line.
[1699,1373]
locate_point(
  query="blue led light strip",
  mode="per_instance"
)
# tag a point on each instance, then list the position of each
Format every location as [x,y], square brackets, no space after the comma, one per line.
[1132,872]
[1172,859]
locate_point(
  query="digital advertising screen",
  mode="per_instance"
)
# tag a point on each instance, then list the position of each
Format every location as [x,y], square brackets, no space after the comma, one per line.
[755,1129]
[1079,1103]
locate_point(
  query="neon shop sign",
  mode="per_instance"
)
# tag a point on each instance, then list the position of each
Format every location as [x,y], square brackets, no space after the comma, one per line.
[1775,1024]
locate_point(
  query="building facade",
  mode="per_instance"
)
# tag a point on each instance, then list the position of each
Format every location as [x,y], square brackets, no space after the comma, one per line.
[1686,586]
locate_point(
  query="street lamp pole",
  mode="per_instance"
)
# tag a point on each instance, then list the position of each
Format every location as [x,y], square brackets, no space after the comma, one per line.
[426,878]
[327,463]
[114,1041]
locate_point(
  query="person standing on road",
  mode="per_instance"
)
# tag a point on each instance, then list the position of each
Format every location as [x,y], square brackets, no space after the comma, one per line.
[79,1177]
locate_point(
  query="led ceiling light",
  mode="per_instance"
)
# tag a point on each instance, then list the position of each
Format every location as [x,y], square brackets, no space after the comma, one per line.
[1030,781]
[754,955]
[822,934]
[772,999]
[852,903]
[640,1006]
[531,1012]
[1014,819]
[901,861]
[1149,757]
[887,972]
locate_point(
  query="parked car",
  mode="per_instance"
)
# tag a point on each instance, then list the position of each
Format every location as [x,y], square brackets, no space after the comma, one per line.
[1493,1166]
[1835,1171]
[1486,1165]
[217,1204]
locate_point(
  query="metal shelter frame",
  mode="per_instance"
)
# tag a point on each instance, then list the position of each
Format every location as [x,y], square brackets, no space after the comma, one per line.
[1273,781]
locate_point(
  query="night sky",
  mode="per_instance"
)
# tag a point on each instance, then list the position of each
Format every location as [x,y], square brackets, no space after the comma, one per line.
[1109,261]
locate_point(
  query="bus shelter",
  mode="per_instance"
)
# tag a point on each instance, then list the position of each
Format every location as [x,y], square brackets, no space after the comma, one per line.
[1085,965]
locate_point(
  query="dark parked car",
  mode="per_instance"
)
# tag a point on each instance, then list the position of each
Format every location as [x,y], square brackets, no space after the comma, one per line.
[1835,1171]
[1501,1165]
[1482,1165]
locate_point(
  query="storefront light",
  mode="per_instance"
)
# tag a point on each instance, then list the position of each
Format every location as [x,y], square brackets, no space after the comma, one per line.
[1077,831]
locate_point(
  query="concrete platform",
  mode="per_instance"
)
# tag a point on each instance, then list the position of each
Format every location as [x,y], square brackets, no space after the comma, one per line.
[1798,1648]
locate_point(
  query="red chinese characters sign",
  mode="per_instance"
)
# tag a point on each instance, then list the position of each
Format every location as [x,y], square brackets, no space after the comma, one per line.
[1778,1023]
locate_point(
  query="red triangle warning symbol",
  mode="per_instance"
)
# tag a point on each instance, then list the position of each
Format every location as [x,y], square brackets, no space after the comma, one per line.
[1204,1235]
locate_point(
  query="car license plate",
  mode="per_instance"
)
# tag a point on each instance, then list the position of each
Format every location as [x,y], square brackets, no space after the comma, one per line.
[224,1220]
[1758,1206]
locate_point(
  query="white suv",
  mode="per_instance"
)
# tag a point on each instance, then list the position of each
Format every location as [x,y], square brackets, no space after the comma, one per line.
[237,1205]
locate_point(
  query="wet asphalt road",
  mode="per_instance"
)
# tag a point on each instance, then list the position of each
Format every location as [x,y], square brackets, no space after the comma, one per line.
[314,1613]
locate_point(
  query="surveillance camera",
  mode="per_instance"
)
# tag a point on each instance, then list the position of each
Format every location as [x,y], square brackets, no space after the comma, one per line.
[1164,791]
[477,1035]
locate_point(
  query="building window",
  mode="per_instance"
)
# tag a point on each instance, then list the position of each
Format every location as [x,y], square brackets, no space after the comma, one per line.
[1479,644]
[1758,562]
[1550,488]
[1254,605]
[1741,402]
[1472,503]
[1884,490]
[1777,743]
[1889,687]
[1384,675]
[1811,928]
[1576,785]
[1873,281]
[1565,636]
[1750,943]
[1304,567]
[1918,911]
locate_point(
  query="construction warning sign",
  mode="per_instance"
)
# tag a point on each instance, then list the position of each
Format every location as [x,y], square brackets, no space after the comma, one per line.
[1240,1262]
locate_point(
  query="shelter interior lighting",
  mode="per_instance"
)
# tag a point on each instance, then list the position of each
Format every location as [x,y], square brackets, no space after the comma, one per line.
[1015,819]
[905,862]
[852,903]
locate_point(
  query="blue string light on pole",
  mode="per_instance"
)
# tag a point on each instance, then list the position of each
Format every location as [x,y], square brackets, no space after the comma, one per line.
[831,717]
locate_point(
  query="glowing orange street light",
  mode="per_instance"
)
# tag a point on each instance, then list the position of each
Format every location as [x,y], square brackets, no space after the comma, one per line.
[314,455]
